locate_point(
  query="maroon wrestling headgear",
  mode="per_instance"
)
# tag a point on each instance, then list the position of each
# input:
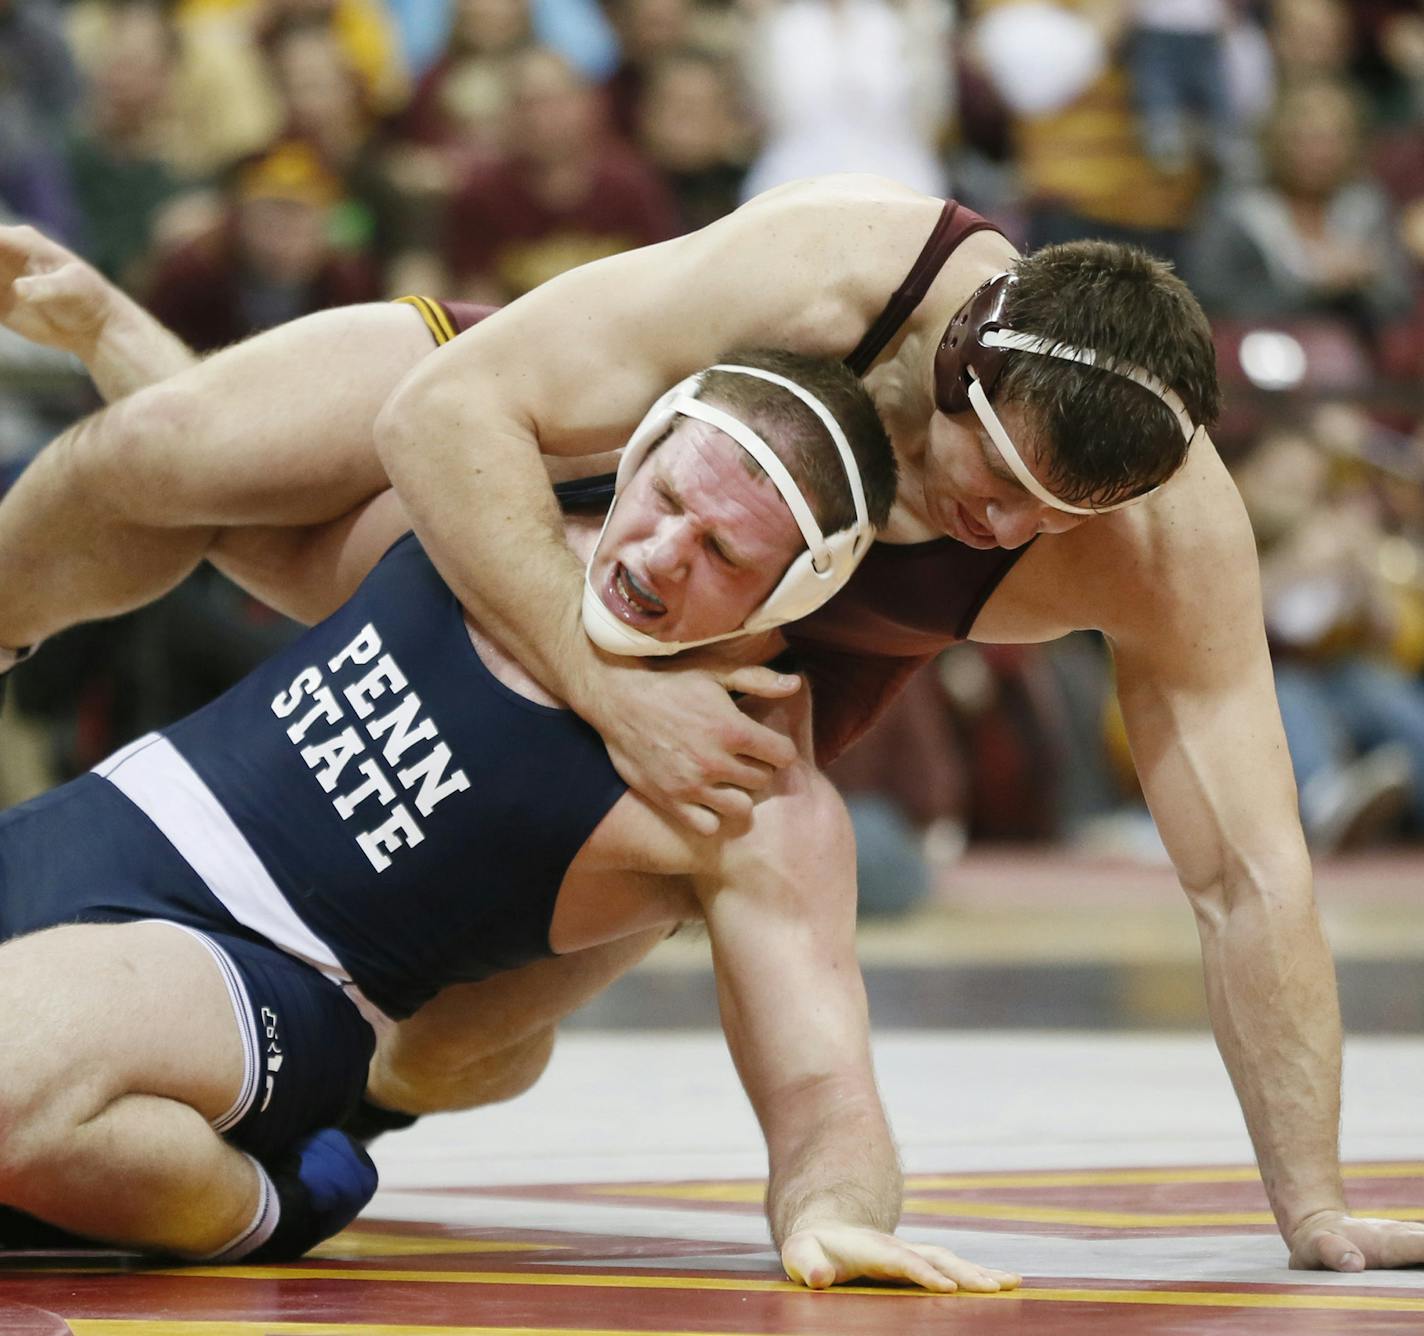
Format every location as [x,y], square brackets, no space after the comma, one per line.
[970,359]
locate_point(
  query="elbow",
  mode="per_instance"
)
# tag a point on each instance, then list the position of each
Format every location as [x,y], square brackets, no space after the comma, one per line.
[1273,884]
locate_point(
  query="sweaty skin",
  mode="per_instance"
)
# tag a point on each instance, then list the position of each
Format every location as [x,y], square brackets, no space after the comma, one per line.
[1171,583]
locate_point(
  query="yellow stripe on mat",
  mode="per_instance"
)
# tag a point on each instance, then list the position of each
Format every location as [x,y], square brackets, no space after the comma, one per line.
[1340,1303]
[1052,1178]
[1413,1303]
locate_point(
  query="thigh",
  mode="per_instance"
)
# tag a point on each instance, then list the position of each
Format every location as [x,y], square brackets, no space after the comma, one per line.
[275,430]
[308,1049]
[92,1012]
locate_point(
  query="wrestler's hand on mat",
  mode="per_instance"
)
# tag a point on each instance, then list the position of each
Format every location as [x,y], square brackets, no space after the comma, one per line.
[1334,1241]
[826,1255]
[49,295]
[679,739]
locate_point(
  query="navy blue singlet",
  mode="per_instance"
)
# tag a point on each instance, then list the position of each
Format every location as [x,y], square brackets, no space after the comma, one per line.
[373,800]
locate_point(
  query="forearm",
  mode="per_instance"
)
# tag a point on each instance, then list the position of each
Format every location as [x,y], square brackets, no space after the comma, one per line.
[479,499]
[836,1165]
[133,350]
[1275,1012]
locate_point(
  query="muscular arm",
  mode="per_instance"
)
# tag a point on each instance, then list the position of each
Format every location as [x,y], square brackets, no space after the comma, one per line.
[573,366]
[1194,679]
[780,909]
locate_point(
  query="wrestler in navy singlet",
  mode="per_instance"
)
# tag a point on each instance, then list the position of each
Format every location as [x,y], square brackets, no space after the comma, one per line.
[372,799]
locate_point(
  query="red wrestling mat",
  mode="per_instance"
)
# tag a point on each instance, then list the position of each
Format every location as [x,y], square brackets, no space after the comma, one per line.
[389,1279]
[1069,1203]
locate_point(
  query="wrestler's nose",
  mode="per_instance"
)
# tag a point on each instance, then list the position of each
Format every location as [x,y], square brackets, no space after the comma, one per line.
[667,554]
[1013,526]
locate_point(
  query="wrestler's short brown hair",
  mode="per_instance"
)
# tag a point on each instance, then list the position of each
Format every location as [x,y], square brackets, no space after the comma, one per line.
[1107,438]
[799,438]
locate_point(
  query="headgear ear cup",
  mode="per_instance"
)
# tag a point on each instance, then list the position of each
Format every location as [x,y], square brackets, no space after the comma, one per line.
[962,347]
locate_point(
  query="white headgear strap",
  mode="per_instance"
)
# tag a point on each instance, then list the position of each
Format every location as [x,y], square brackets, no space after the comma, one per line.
[819,572]
[1003,442]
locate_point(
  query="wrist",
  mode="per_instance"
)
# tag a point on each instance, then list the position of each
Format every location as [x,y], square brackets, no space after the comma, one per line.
[113,324]
[584,680]
[1294,1224]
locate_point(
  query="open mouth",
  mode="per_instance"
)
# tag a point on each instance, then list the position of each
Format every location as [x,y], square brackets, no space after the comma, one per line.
[629,599]
[976,531]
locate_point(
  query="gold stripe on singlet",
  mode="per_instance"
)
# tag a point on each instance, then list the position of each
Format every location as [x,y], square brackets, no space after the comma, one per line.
[436,320]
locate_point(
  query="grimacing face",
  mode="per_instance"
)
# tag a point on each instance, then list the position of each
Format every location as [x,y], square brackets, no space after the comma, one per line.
[695,542]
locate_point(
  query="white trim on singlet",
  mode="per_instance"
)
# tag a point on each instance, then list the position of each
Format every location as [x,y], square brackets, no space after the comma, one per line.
[154,776]
[246,1027]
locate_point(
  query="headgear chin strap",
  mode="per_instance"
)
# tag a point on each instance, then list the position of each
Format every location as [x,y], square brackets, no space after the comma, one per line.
[971,356]
[816,574]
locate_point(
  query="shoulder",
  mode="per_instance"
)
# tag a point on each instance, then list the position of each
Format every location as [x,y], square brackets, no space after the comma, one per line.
[845,210]
[1185,558]
[1153,575]
[821,256]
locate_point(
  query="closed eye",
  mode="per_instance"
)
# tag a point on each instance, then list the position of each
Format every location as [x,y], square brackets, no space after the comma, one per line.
[715,547]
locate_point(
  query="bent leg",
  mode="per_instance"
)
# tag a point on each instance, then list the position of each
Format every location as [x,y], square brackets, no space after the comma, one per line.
[482,1043]
[274,431]
[122,1048]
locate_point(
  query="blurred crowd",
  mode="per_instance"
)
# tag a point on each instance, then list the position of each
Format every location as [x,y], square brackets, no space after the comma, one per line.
[237,163]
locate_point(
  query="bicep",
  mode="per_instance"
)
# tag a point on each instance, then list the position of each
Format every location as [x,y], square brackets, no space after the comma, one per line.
[574,363]
[1199,703]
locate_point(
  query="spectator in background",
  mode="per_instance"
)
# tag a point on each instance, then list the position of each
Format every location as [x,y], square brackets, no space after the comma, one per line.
[270,260]
[1311,39]
[1336,610]
[691,129]
[459,107]
[1399,39]
[38,90]
[218,105]
[117,150]
[849,86]
[1180,84]
[238,30]
[1317,237]
[1060,70]
[565,192]
[647,31]
[324,107]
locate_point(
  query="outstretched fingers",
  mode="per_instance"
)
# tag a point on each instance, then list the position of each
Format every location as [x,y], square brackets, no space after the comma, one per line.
[967,1275]
[819,1258]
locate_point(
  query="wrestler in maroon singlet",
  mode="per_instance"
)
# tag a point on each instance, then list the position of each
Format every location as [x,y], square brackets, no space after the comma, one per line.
[906,602]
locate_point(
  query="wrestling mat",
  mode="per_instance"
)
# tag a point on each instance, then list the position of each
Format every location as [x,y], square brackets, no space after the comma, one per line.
[623,1196]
